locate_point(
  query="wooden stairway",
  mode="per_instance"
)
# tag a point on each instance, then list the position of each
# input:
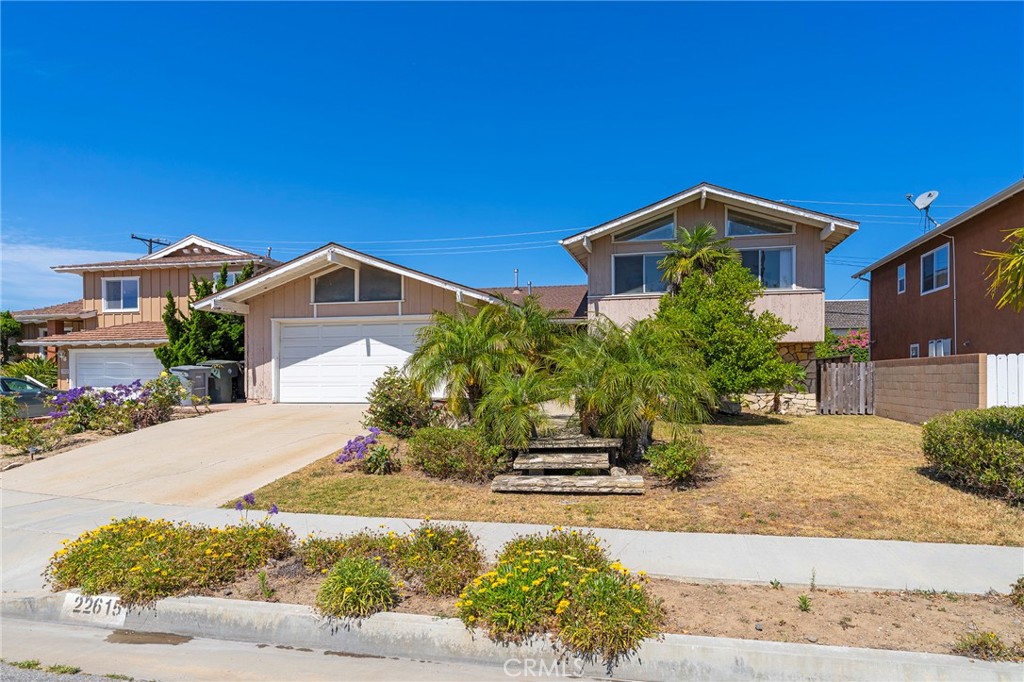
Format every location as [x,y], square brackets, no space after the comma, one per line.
[565,455]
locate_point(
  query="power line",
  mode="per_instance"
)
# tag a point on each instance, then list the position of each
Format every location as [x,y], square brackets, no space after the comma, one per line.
[857,203]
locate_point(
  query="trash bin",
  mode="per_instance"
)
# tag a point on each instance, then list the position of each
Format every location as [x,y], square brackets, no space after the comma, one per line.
[196,378]
[222,375]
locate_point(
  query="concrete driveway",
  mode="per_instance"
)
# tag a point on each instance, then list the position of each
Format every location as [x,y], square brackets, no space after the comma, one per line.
[205,461]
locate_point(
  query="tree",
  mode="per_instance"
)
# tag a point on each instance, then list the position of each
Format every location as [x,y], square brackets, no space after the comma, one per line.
[202,335]
[739,346]
[855,344]
[10,329]
[1006,271]
[698,251]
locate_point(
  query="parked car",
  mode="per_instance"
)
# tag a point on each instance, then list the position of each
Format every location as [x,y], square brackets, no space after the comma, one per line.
[29,395]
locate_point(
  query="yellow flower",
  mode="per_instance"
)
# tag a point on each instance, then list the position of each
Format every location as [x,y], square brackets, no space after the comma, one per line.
[526,588]
[468,602]
[323,570]
[565,584]
[637,587]
[349,590]
[135,568]
[472,618]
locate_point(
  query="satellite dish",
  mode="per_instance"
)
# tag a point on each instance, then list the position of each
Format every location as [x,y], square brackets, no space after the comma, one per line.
[923,201]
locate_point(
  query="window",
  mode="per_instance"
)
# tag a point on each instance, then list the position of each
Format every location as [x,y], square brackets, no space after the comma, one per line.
[637,274]
[19,386]
[345,285]
[661,229]
[231,280]
[120,294]
[901,280]
[935,270]
[774,267]
[746,225]
[915,350]
[940,348]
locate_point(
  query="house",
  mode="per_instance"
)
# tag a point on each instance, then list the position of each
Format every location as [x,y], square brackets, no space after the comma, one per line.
[107,337]
[843,316]
[930,297]
[570,300]
[322,327]
[783,245]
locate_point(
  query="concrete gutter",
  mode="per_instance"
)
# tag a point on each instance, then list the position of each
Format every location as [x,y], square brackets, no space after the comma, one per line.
[415,637]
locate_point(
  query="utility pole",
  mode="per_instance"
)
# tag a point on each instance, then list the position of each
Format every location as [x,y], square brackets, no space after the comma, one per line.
[149,241]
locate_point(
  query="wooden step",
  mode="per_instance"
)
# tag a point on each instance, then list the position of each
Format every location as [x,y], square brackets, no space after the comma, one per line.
[562,460]
[575,443]
[573,485]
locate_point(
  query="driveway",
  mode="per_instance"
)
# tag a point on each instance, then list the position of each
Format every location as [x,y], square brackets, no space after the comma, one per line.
[202,462]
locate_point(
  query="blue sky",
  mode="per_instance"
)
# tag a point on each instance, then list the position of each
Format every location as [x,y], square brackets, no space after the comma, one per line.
[289,125]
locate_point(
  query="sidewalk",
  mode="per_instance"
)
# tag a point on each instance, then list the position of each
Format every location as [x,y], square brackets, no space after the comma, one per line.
[34,525]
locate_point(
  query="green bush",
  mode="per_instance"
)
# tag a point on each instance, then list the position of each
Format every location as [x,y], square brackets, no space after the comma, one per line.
[356,587]
[442,452]
[38,368]
[679,460]
[595,613]
[319,554]
[583,546]
[397,408]
[1017,593]
[381,461]
[143,560]
[25,435]
[988,646]
[980,449]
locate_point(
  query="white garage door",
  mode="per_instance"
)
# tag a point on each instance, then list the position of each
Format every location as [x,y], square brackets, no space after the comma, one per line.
[337,363]
[105,368]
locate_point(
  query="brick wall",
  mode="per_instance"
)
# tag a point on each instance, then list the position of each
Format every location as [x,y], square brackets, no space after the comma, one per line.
[914,390]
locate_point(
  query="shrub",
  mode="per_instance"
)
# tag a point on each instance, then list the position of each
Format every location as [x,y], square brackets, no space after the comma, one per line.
[381,460]
[584,546]
[121,408]
[988,646]
[442,452]
[358,447]
[1017,593]
[396,407]
[595,613]
[679,460]
[356,587]
[143,560]
[38,368]
[25,435]
[980,449]
[319,554]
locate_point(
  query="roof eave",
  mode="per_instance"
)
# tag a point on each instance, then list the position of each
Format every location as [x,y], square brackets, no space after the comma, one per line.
[47,341]
[83,315]
[154,265]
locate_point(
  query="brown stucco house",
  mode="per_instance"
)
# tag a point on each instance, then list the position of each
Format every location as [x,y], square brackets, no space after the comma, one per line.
[930,297]
[108,336]
[322,327]
[783,245]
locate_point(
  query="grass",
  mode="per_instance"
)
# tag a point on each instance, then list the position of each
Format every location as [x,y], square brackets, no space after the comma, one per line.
[821,476]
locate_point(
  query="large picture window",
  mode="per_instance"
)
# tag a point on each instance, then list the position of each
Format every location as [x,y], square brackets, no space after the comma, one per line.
[935,270]
[661,229]
[637,274]
[774,267]
[738,224]
[369,284]
[120,294]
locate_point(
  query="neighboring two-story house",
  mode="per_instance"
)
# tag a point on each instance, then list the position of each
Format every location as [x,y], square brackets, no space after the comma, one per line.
[930,297]
[783,245]
[108,336]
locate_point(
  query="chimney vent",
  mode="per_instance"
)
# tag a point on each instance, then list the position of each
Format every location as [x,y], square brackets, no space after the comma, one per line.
[515,281]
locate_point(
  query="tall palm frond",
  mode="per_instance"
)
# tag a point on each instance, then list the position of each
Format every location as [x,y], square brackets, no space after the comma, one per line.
[509,411]
[1006,271]
[698,251]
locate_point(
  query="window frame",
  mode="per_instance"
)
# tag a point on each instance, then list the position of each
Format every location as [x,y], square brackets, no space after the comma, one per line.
[791,247]
[949,269]
[901,279]
[915,350]
[103,295]
[670,214]
[356,288]
[660,254]
[753,214]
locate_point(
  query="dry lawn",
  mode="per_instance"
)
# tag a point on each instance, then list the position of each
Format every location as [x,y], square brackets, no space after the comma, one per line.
[824,476]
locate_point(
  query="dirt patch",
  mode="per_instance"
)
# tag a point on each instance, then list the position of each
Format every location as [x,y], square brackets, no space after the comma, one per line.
[903,621]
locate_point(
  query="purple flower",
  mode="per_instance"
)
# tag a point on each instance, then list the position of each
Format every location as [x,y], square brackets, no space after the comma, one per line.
[250,499]
[273,509]
[238,505]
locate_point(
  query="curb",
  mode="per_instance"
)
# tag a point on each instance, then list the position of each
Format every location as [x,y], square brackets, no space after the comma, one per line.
[416,637]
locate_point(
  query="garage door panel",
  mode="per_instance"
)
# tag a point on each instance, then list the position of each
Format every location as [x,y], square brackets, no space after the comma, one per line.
[338,362]
[106,368]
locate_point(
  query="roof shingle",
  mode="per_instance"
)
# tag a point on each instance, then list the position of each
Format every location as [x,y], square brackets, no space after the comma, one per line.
[70,308]
[847,314]
[565,297]
[136,331]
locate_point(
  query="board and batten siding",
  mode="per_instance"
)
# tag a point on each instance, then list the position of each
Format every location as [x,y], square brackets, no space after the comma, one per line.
[154,283]
[293,300]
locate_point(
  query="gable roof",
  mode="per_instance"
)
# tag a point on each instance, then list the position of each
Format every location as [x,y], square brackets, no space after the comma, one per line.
[62,311]
[135,333]
[232,299]
[834,228]
[569,298]
[994,200]
[192,250]
[847,314]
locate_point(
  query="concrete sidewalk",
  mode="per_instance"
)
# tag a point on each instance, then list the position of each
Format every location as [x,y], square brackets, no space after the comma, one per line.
[34,525]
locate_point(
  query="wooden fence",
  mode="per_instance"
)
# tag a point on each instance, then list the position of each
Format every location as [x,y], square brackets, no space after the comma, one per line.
[847,388]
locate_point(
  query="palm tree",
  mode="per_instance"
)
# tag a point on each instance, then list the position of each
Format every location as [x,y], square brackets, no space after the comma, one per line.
[1007,272]
[579,364]
[698,251]
[532,328]
[509,411]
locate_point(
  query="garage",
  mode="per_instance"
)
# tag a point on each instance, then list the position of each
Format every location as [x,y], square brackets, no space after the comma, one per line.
[338,361]
[105,367]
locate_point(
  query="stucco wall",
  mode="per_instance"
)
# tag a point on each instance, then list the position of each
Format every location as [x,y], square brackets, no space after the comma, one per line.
[293,300]
[153,287]
[804,310]
[914,390]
